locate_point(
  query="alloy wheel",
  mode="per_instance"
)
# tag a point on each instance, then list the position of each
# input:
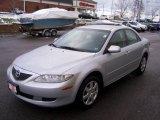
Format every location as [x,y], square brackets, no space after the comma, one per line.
[143,64]
[90,92]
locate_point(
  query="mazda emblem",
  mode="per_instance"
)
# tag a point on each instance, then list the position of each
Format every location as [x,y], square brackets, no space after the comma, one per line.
[17,74]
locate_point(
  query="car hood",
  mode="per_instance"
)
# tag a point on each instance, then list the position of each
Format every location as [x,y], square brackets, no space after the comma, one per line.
[135,26]
[50,60]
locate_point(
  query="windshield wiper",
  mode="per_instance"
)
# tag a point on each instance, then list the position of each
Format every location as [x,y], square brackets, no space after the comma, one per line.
[75,49]
[51,44]
[68,48]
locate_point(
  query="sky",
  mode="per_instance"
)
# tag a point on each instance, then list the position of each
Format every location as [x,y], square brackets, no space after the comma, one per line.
[107,4]
[149,4]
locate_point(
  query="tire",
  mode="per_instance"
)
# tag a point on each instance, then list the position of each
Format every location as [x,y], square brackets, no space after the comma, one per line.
[88,92]
[46,33]
[142,30]
[53,32]
[142,66]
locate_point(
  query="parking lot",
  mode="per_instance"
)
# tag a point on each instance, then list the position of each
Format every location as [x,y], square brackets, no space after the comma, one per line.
[131,98]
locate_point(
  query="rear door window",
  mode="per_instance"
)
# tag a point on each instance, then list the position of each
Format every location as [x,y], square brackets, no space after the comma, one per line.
[131,37]
[118,39]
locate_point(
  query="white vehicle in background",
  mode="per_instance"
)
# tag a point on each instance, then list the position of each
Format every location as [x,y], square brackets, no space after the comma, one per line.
[133,25]
[103,22]
[142,26]
[103,17]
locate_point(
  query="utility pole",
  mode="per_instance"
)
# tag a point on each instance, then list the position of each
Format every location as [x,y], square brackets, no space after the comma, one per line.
[24,5]
[139,10]
[112,7]
[147,8]
[103,9]
[76,8]
[159,15]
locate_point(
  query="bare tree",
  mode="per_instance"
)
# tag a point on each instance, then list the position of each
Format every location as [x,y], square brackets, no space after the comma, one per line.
[122,6]
[133,8]
[140,9]
[137,7]
[154,12]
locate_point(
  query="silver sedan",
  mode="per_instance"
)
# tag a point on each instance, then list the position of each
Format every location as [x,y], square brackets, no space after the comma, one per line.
[76,66]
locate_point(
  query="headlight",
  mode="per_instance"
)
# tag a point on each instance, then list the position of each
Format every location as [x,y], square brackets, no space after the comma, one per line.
[53,78]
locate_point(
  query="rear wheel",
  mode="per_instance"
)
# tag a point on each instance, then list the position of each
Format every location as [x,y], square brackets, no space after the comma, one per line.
[53,32]
[142,66]
[142,30]
[46,33]
[88,92]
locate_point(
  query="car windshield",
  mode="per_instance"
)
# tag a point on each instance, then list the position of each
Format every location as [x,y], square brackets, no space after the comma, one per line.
[84,40]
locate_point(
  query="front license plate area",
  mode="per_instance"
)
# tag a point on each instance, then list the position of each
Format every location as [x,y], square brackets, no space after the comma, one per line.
[12,88]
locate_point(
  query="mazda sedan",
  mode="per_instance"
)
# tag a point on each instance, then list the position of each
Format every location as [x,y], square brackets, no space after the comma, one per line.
[78,65]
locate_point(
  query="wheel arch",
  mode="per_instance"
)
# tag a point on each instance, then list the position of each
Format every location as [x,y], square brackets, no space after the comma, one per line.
[95,73]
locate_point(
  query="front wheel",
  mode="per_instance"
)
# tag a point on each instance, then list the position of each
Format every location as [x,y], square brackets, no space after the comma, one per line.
[88,92]
[142,66]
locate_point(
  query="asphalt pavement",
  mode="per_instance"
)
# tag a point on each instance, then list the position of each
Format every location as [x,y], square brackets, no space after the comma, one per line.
[131,98]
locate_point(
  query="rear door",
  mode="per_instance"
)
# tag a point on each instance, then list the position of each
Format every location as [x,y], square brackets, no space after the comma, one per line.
[134,49]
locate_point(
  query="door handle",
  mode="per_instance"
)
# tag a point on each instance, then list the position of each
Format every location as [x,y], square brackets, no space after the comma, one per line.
[127,52]
[141,45]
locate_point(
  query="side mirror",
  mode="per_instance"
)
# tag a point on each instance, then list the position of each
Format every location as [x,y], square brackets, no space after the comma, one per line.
[114,49]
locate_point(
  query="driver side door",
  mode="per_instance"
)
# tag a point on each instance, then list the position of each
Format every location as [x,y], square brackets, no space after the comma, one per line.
[116,63]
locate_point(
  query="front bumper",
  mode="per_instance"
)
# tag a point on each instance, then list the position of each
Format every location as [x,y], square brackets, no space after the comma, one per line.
[144,28]
[43,94]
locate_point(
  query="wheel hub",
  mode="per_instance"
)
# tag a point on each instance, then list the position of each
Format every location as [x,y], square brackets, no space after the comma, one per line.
[143,64]
[90,93]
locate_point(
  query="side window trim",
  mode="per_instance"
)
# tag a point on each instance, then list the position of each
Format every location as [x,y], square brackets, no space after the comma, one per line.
[115,33]
[107,46]
[138,38]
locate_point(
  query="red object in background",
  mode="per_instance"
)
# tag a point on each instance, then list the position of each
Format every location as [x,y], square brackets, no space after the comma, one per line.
[86,4]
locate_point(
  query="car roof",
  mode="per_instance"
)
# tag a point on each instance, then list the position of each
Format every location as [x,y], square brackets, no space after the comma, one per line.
[103,27]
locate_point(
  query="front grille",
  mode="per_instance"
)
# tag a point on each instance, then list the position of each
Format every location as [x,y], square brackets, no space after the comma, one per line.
[19,75]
